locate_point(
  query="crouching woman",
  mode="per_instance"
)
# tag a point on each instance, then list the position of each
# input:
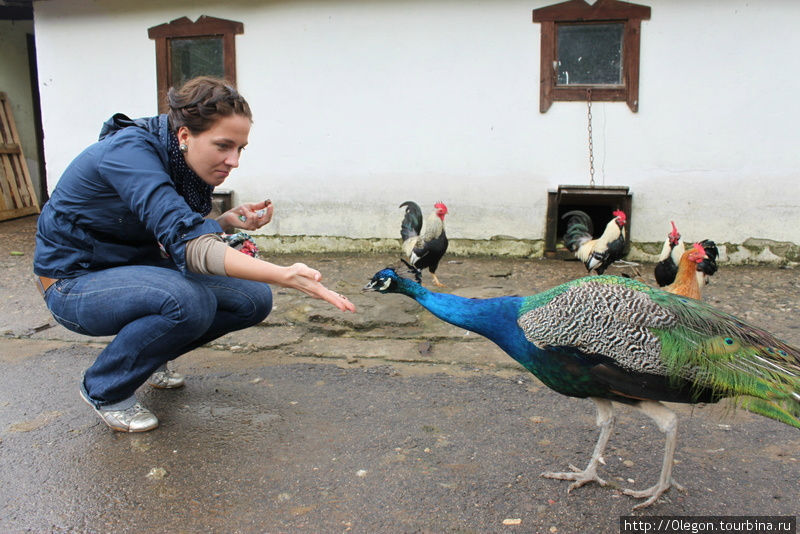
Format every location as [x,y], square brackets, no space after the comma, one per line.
[123,247]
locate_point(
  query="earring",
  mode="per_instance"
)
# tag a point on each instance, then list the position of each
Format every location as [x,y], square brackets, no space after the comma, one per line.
[184,148]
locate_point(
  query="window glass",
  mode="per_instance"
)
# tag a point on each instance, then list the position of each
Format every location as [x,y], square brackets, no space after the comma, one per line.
[195,57]
[589,54]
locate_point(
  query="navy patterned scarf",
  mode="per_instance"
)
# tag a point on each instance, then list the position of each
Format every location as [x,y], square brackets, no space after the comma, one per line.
[194,190]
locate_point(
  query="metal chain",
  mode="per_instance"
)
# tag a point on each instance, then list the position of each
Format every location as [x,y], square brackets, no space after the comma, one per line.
[591,143]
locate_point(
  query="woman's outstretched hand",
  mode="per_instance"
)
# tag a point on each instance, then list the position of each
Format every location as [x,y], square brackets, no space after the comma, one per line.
[303,278]
[298,276]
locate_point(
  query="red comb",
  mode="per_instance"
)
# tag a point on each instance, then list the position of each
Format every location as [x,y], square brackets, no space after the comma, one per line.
[674,236]
[698,254]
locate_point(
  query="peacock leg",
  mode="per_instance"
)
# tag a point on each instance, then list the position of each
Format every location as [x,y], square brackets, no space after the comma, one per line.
[605,420]
[667,422]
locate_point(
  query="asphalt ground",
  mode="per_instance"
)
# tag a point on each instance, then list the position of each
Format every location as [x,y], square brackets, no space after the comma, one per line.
[387,420]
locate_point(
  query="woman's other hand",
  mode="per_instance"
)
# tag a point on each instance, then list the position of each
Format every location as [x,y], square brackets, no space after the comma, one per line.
[248,216]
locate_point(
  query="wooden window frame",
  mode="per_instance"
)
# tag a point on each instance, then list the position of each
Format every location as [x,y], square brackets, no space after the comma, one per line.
[578,11]
[184,28]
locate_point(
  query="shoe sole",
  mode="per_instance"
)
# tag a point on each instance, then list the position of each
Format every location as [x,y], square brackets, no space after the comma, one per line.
[165,387]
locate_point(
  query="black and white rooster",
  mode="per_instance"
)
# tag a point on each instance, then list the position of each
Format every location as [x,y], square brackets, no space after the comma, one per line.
[670,257]
[424,247]
[596,254]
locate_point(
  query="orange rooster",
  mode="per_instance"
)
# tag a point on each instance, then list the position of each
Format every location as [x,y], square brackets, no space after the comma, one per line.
[687,281]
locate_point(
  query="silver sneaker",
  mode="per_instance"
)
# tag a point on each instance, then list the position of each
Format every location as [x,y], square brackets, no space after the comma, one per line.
[166,379]
[137,418]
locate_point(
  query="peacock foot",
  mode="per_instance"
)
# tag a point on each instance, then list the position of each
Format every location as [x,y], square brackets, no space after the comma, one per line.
[580,477]
[652,494]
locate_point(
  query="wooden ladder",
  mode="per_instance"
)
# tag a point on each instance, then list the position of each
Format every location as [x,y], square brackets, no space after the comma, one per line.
[17,196]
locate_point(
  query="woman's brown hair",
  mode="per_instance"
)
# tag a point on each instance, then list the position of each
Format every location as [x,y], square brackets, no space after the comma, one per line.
[201,101]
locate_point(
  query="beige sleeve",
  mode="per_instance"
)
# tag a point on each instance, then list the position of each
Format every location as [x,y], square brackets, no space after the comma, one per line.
[206,255]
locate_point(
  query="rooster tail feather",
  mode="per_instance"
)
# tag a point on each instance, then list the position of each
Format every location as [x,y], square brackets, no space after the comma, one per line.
[412,221]
[709,265]
[579,229]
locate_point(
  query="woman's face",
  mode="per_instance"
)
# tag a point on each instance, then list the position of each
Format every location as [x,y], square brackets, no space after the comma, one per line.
[214,153]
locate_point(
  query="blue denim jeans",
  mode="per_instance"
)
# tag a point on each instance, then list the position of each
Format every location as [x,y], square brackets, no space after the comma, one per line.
[156,313]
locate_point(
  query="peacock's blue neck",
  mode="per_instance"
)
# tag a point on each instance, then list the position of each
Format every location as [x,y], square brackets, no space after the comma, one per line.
[493,318]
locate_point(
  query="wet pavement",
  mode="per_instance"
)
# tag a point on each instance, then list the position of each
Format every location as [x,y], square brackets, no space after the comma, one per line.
[387,420]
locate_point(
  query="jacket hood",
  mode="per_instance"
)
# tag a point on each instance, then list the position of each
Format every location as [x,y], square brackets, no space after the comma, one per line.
[156,125]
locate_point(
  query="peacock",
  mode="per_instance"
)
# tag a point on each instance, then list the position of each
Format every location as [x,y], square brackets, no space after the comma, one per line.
[617,340]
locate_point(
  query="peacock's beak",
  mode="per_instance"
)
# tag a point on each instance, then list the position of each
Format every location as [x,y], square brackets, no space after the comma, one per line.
[378,284]
[371,286]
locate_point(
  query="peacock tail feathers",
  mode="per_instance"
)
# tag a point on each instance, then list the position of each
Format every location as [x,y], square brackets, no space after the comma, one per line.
[734,359]
[720,352]
[783,410]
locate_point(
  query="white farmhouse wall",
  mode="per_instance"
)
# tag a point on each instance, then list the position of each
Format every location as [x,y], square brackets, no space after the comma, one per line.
[361,105]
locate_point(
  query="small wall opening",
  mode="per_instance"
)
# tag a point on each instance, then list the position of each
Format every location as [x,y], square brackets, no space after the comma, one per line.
[599,202]
[221,201]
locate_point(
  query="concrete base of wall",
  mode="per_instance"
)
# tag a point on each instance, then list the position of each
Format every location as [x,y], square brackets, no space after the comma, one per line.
[752,251]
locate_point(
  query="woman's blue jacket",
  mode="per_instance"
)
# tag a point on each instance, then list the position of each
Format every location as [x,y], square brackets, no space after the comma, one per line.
[115,203]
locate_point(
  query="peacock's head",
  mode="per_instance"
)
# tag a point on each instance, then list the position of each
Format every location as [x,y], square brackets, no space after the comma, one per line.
[384,281]
[387,280]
